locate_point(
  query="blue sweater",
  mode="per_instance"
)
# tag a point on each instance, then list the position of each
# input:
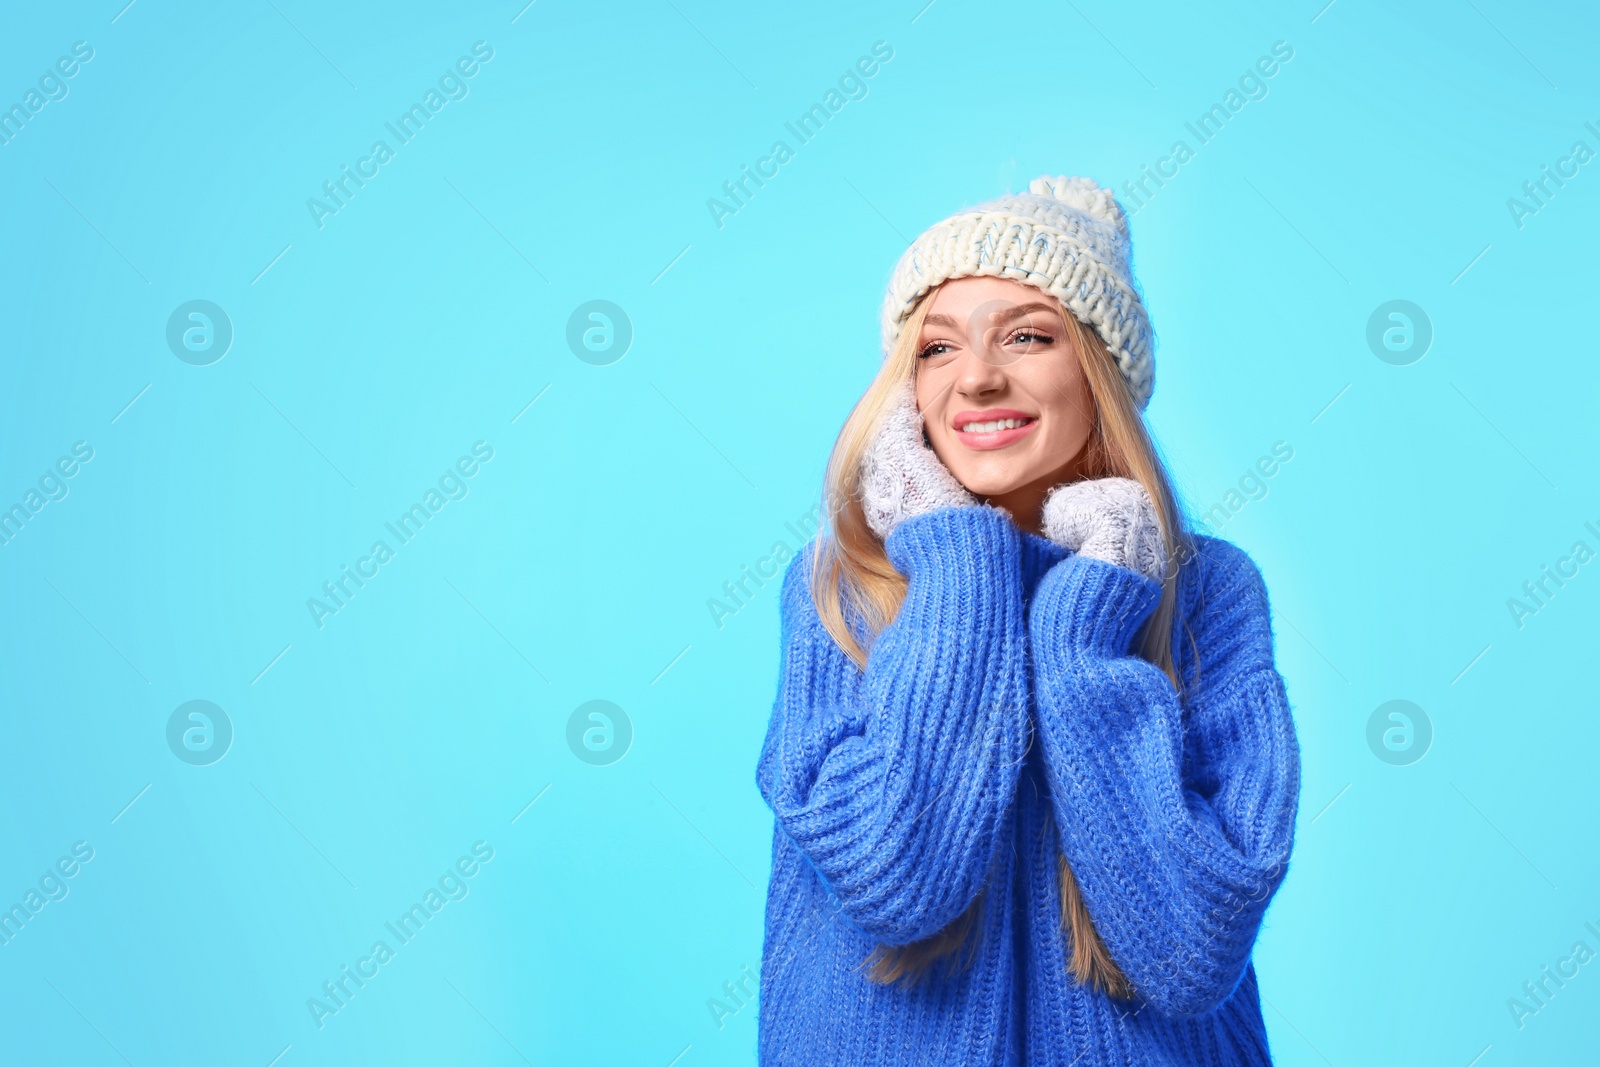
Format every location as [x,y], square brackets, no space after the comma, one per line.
[1002,721]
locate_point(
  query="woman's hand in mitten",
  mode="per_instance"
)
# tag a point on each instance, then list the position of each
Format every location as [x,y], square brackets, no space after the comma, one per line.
[900,475]
[1110,519]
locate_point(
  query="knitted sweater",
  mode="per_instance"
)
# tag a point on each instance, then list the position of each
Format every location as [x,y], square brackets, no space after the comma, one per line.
[1002,722]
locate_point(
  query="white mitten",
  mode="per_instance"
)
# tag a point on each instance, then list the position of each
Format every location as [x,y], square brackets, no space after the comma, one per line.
[1110,519]
[900,475]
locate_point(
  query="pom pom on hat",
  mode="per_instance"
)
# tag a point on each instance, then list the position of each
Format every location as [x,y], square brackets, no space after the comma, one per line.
[1067,236]
[1084,195]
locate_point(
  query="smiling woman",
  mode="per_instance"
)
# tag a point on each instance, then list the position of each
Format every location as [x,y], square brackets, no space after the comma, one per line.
[1033,770]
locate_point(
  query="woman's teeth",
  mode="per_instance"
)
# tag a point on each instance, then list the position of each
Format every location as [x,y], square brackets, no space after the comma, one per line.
[994,426]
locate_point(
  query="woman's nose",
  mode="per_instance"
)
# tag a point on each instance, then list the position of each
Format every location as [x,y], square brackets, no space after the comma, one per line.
[979,373]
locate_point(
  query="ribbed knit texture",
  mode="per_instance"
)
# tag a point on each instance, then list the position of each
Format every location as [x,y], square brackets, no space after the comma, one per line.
[1001,721]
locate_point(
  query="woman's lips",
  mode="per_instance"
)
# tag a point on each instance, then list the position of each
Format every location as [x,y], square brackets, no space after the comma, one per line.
[992,439]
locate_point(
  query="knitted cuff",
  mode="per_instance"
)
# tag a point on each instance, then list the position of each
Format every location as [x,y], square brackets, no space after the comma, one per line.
[976,532]
[1095,606]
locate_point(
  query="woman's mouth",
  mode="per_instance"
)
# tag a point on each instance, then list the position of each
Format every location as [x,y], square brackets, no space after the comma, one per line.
[985,430]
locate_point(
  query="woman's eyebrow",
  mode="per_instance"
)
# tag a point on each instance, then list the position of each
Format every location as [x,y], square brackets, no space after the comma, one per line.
[1021,310]
[1017,311]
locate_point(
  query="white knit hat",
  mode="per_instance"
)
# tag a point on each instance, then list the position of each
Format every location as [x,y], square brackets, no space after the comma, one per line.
[1067,236]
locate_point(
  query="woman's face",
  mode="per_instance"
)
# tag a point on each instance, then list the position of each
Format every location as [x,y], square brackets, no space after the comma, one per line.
[1002,391]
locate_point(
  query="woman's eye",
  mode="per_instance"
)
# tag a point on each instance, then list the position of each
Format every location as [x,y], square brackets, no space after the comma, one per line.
[933,348]
[1030,338]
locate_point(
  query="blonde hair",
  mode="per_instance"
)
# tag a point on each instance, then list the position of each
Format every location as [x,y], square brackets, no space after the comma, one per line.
[854,586]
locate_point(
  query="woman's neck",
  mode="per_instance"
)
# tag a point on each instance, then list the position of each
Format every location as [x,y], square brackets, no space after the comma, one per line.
[1025,503]
[1026,507]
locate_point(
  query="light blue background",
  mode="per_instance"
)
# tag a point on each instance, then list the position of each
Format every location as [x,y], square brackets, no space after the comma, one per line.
[430,311]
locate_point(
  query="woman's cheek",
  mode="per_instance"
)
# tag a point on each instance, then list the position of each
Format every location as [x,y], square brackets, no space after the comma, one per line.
[955,457]
[931,396]
[944,445]
[1068,443]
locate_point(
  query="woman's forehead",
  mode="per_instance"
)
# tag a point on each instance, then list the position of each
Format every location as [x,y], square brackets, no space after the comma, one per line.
[959,298]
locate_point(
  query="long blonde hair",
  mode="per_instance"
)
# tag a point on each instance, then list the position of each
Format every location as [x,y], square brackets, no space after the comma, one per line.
[852,577]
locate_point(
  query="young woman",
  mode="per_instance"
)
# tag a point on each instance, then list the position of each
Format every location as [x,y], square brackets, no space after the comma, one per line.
[1034,770]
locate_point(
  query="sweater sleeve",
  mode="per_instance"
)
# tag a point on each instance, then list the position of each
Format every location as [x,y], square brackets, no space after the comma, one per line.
[1176,869]
[894,783]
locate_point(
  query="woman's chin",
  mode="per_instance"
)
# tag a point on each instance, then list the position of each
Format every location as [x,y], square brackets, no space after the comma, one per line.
[989,486]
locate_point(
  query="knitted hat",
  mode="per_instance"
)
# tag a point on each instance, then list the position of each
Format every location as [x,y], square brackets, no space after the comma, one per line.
[1066,236]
